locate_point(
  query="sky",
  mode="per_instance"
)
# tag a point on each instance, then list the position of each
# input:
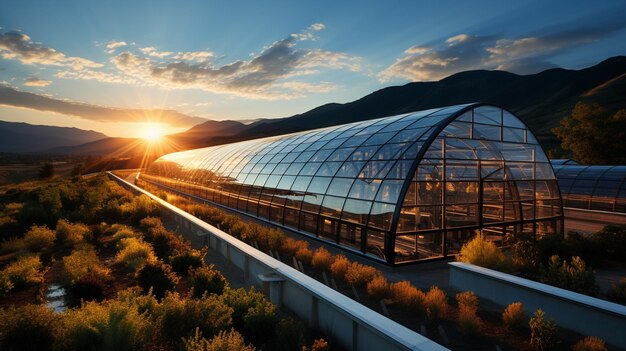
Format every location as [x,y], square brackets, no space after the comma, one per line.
[120,67]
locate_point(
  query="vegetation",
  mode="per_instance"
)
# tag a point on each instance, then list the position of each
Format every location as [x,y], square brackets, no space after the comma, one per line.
[514,316]
[224,341]
[157,277]
[590,343]
[39,238]
[436,304]
[482,252]
[468,322]
[207,280]
[617,292]
[574,276]
[30,327]
[135,253]
[543,333]
[23,272]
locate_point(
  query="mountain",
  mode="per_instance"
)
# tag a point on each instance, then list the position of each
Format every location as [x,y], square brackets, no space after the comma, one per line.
[24,137]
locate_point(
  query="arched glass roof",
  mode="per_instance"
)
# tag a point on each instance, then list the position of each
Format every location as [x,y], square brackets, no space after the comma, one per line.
[389,187]
[600,188]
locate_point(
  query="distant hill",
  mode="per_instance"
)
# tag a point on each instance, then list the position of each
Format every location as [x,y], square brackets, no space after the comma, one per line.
[24,137]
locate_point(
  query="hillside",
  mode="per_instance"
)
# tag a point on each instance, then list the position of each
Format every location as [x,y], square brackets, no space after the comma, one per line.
[24,137]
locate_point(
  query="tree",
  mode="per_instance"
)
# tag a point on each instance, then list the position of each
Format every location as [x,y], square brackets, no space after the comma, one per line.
[46,171]
[594,135]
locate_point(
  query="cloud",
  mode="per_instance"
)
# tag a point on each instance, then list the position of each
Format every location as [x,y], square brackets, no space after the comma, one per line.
[152,51]
[18,46]
[112,45]
[523,55]
[12,97]
[36,82]
[309,33]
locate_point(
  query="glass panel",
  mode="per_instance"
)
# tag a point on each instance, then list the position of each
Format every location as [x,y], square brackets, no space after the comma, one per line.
[356,211]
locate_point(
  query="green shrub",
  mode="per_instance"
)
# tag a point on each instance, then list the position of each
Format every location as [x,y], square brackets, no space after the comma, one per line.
[378,288]
[5,285]
[617,292]
[481,252]
[39,238]
[228,222]
[575,276]
[436,304]
[339,267]
[82,263]
[590,343]
[139,207]
[543,333]
[28,327]
[206,280]
[124,233]
[69,233]
[253,315]
[273,239]
[187,259]
[135,253]
[223,341]
[322,259]
[150,222]
[179,317]
[468,300]
[289,335]
[359,274]
[158,277]
[24,272]
[514,316]
[408,296]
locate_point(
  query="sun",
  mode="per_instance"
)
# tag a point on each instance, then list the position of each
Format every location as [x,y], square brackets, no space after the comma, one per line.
[152,132]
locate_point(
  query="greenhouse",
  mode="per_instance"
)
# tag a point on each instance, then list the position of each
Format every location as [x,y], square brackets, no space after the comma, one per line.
[600,188]
[399,189]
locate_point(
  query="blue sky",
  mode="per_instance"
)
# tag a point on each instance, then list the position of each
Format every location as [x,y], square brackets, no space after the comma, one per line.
[113,66]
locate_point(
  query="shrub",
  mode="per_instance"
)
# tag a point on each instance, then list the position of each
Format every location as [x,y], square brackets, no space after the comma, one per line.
[513,315]
[164,243]
[574,276]
[408,296]
[188,259]
[253,232]
[481,252]
[304,255]
[88,288]
[542,332]
[123,233]
[39,238]
[274,239]
[69,233]
[11,245]
[23,272]
[590,343]
[135,253]
[224,341]
[228,222]
[139,207]
[289,335]
[321,259]
[378,288]
[28,327]
[320,345]
[179,317]
[150,222]
[291,246]
[339,267]
[359,275]
[617,292]
[5,285]
[252,313]
[436,304]
[158,277]
[206,280]
[468,322]
[82,263]
[467,300]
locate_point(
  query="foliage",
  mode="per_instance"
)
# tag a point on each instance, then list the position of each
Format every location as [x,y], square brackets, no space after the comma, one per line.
[252,313]
[46,171]
[617,292]
[378,288]
[290,335]
[69,233]
[359,274]
[28,327]
[223,341]
[291,246]
[543,333]
[39,238]
[436,304]
[594,135]
[5,285]
[339,267]
[321,259]
[158,277]
[207,280]
[23,272]
[304,255]
[408,296]
[135,253]
[150,222]
[468,322]
[468,300]
[514,316]
[139,207]
[188,259]
[88,288]
[574,276]
[82,263]
[484,253]
[590,343]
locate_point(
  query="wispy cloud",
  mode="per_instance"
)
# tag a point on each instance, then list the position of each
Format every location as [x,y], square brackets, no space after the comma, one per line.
[18,46]
[112,45]
[462,52]
[10,96]
[36,82]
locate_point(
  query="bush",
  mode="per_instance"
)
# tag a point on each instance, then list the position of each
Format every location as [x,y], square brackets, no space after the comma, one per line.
[188,259]
[291,246]
[304,255]
[617,292]
[228,222]
[289,335]
[484,253]
[123,232]
[575,276]
[436,304]
[39,238]
[468,322]
[359,275]
[5,285]
[339,267]
[224,341]
[321,259]
[139,207]
[24,272]
[150,222]
[69,233]
[320,345]
[82,263]
[590,343]
[252,313]
[88,288]
[158,277]
[135,253]
[28,327]
[467,300]
[11,245]
[206,280]
[408,296]
[514,316]
[165,243]
[179,317]
[378,288]
[543,332]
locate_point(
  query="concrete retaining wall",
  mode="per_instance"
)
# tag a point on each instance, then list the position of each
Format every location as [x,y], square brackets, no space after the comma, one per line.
[584,314]
[345,321]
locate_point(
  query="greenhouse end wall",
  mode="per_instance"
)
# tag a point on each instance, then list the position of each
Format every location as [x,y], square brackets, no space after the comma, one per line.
[399,189]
